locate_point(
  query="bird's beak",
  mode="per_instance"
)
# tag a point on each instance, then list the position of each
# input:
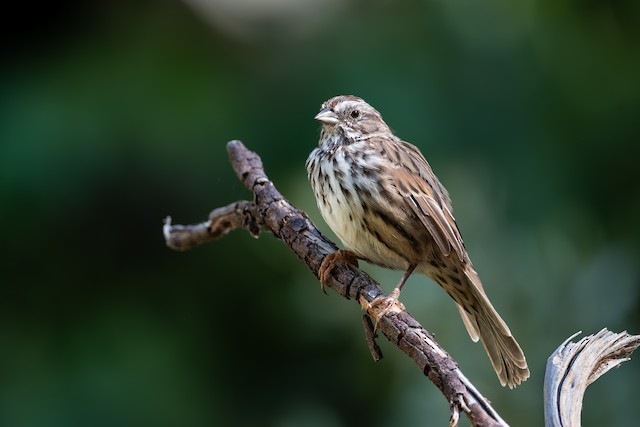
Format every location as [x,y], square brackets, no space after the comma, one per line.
[327,116]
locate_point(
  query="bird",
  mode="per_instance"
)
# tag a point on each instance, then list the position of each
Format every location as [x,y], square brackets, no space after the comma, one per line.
[381,198]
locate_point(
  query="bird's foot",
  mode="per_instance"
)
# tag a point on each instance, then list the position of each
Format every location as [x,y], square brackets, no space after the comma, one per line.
[381,306]
[329,263]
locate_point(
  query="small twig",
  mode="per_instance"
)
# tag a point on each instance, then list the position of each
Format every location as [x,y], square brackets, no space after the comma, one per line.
[272,212]
[574,366]
[221,221]
[370,335]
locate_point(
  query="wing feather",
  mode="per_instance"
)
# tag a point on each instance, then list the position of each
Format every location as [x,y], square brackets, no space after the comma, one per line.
[426,196]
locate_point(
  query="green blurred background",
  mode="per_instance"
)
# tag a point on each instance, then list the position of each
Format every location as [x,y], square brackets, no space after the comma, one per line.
[115,114]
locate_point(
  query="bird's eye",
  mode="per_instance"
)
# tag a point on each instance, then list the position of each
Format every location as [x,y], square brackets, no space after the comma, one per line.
[355,114]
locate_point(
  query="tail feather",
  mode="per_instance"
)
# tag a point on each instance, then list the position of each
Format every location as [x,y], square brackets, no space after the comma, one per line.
[483,321]
[506,356]
[469,323]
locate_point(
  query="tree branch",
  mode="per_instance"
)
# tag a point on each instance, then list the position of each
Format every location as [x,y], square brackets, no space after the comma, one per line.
[272,212]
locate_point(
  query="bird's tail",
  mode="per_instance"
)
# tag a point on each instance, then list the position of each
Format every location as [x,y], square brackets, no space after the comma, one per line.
[483,322]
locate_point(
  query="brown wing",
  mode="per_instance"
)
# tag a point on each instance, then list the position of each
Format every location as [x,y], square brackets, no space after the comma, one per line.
[426,196]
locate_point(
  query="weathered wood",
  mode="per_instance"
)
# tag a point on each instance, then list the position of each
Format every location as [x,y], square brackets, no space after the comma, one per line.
[574,366]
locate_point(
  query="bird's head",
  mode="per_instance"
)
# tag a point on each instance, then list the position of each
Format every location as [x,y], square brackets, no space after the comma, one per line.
[351,116]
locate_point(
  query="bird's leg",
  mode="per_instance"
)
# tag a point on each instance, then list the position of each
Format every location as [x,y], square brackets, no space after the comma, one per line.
[329,263]
[391,299]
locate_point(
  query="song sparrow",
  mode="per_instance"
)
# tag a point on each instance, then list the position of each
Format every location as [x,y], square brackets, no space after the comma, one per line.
[381,198]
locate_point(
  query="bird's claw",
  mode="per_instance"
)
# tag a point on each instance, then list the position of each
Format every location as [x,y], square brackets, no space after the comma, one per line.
[381,306]
[329,263]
